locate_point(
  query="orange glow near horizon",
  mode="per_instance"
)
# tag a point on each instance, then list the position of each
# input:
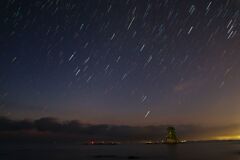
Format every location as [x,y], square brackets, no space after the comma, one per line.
[233,137]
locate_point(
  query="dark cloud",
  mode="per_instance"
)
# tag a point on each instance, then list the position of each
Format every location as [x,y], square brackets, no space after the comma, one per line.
[50,129]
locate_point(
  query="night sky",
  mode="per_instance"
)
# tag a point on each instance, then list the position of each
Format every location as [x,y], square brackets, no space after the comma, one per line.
[133,62]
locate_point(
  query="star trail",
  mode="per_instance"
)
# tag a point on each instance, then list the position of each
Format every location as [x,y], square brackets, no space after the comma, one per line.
[114,62]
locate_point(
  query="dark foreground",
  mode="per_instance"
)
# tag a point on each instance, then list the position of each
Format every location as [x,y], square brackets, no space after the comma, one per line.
[196,151]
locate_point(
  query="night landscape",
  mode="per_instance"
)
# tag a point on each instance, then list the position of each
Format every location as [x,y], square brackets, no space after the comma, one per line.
[120,79]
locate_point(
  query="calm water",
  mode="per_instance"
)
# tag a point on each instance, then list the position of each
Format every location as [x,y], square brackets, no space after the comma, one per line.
[193,151]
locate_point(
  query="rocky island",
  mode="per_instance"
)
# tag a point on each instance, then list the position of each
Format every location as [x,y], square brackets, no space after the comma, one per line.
[171,137]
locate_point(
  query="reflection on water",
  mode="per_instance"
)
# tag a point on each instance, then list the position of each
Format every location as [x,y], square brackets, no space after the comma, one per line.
[196,151]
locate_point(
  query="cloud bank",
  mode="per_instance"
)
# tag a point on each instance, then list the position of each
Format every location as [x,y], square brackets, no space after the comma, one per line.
[51,130]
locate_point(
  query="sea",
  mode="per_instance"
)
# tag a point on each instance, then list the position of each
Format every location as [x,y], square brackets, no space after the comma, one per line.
[217,150]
